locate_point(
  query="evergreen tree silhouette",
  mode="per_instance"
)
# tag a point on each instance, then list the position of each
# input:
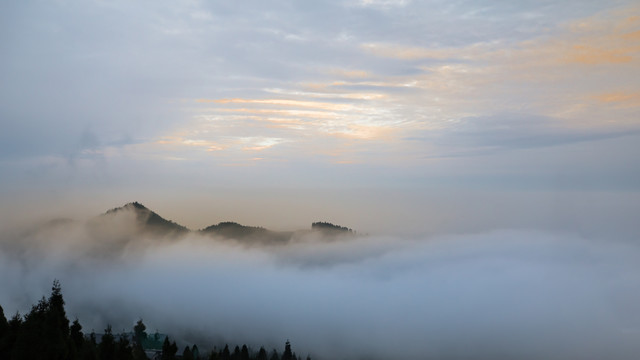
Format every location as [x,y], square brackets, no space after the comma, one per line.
[166,348]
[90,351]
[77,340]
[187,354]
[139,333]
[262,354]
[195,352]
[31,341]
[4,325]
[57,325]
[45,334]
[4,331]
[139,339]
[236,353]
[225,354]
[174,349]
[214,354]
[13,329]
[169,350]
[274,355]
[124,350]
[107,347]
[287,355]
[244,353]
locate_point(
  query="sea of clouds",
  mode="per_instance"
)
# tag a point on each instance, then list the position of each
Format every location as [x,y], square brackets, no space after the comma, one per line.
[498,294]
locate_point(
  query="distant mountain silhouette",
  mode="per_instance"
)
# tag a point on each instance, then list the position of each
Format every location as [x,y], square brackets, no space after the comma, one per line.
[148,221]
[133,227]
[329,227]
[129,226]
[249,235]
[233,229]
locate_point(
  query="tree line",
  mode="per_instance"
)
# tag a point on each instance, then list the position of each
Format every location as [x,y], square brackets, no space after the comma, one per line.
[45,333]
[327,226]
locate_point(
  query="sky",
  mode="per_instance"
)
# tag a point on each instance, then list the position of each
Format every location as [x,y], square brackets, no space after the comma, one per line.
[488,150]
[192,104]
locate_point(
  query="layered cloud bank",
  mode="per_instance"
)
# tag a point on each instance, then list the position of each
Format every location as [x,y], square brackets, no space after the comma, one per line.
[498,294]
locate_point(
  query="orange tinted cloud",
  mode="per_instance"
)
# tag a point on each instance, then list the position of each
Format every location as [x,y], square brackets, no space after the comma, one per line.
[610,37]
[259,143]
[283,112]
[585,54]
[279,102]
[632,35]
[331,90]
[408,53]
[183,141]
[620,98]
[363,132]
[351,74]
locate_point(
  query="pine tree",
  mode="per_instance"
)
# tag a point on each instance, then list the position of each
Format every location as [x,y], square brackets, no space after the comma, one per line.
[139,333]
[166,345]
[138,353]
[76,333]
[4,325]
[274,355]
[262,354]
[34,339]
[173,349]
[77,340]
[57,325]
[236,353]
[169,350]
[124,350]
[107,347]
[44,334]
[214,355]
[4,331]
[187,354]
[225,354]
[244,353]
[139,339]
[287,355]
[90,350]
[13,329]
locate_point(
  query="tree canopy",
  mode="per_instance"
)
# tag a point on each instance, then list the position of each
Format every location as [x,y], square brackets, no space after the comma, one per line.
[44,333]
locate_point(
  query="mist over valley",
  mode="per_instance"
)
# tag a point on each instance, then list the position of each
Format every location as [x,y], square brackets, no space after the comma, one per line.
[331,291]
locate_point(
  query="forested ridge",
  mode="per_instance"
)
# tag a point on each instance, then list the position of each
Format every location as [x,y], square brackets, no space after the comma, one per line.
[45,333]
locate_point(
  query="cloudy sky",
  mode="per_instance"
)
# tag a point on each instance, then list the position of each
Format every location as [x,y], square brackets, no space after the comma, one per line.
[207,111]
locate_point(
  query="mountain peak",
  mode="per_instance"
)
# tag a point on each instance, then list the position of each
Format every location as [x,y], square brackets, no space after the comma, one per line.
[133,206]
[136,205]
[149,219]
[327,226]
[129,206]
